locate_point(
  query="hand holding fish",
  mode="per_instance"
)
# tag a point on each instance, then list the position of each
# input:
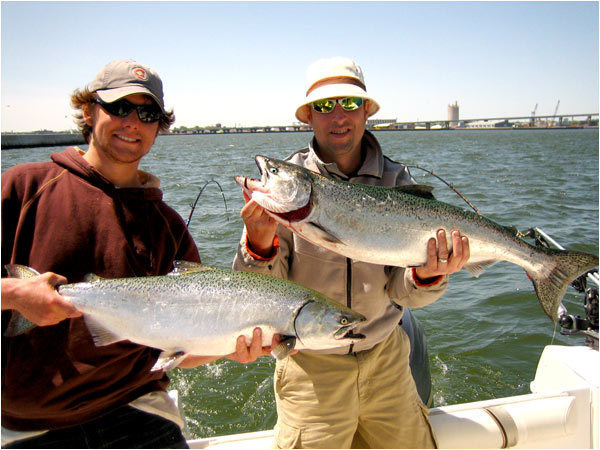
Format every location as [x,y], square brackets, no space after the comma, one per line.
[37,299]
[246,354]
[243,354]
[260,227]
[201,310]
[440,261]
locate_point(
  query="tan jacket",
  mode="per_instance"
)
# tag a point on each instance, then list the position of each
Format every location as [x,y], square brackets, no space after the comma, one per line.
[372,290]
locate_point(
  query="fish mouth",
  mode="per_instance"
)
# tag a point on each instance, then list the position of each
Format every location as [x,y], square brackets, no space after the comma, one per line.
[253,184]
[261,163]
[347,332]
[249,184]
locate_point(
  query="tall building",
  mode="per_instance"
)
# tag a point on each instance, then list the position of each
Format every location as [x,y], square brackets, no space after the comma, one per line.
[453,115]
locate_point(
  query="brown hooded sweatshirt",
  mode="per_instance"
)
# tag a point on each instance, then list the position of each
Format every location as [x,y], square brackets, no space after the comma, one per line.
[64,216]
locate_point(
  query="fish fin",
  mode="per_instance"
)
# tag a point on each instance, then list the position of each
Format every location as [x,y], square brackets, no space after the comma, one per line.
[18,325]
[182,267]
[20,271]
[322,233]
[477,269]
[284,348]
[550,288]
[100,335]
[418,190]
[168,360]
[91,277]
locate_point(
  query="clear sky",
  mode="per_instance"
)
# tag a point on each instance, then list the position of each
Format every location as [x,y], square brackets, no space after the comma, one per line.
[244,63]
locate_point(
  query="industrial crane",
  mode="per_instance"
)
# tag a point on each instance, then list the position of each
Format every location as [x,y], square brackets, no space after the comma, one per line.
[555,111]
[532,121]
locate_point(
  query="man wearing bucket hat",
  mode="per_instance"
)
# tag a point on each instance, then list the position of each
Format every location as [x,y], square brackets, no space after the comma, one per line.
[91,212]
[361,396]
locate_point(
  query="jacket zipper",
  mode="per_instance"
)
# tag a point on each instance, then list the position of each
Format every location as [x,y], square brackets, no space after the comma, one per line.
[349,292]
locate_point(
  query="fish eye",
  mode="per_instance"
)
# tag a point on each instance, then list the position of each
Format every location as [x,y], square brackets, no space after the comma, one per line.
[273,170]
[344,321]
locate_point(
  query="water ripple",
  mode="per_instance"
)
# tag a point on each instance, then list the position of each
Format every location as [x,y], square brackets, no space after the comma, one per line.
[484,335]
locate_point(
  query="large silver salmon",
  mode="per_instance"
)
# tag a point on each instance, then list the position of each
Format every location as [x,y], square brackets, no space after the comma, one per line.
[391,226]
[200,310]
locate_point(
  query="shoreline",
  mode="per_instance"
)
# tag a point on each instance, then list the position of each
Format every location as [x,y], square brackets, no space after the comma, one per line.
[31,140]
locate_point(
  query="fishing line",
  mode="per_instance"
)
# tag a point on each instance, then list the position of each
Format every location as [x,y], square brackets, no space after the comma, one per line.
[193,206]
[450,185]
[554,334]
[540,240]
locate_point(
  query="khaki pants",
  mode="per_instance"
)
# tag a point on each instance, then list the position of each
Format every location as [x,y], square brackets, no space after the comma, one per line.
[364,400]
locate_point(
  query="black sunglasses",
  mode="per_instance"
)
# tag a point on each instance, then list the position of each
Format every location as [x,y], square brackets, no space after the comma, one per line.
[122,108]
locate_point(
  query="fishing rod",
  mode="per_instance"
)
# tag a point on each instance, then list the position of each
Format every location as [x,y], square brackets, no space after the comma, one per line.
[450,185]
[193,206]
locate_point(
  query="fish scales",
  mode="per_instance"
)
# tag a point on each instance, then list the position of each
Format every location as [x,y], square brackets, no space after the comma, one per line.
[202,311]
[191,299]
[391,226]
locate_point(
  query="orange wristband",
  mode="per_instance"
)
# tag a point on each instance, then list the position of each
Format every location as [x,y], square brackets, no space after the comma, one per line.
[427,283]
[262,258]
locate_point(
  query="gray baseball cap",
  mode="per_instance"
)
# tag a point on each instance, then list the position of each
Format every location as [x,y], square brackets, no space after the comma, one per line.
[124,77]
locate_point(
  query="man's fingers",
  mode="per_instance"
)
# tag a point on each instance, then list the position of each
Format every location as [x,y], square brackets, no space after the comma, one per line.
[256,344]
[53,279]
[432,253]
[249,209]
[457,249]
[241,350]
[466,249]
[442,254]
[71,311]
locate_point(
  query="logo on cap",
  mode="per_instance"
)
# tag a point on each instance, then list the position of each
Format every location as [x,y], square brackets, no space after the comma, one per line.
[140,74]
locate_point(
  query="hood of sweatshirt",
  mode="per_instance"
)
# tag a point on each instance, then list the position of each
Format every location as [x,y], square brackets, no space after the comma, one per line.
[72,160]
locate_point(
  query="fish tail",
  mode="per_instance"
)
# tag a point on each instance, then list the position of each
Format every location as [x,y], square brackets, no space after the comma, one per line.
[18,324]
[551,286]
[20,271]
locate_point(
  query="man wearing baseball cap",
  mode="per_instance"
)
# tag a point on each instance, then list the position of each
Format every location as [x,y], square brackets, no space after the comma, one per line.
[363,395]
[80,213]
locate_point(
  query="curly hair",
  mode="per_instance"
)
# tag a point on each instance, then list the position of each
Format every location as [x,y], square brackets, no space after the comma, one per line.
[81,97]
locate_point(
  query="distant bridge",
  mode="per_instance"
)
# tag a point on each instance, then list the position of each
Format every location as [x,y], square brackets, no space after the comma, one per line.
[532,120]
[255,129]
[20,140]
[387,124]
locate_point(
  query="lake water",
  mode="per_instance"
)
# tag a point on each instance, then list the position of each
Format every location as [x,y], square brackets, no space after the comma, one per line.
[484,335]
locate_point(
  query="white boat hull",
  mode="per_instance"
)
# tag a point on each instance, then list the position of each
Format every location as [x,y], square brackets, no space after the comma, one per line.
[561,412]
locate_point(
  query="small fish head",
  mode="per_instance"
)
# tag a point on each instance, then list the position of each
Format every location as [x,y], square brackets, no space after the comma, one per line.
[284,187]
[322,323]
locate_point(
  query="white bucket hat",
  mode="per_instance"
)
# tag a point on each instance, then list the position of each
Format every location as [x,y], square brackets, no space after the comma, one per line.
[334,77]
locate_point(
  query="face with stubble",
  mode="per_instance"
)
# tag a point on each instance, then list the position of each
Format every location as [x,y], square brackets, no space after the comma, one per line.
[121,140]
[339,133]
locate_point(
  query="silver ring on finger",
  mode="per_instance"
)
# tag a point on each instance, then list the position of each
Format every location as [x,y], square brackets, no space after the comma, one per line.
[442,260]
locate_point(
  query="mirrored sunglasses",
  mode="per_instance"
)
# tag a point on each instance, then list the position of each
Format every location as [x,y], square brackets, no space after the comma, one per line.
[326,105]
[122,108]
